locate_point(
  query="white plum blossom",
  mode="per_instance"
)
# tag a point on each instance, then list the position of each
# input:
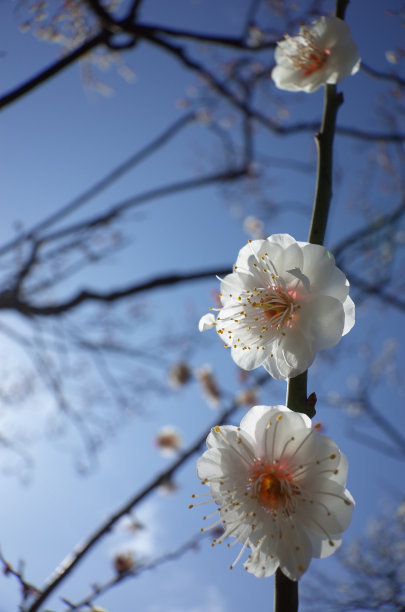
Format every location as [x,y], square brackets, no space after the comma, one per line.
[281,489]
[209,385]
[168,440]
[321,53]
[284,301]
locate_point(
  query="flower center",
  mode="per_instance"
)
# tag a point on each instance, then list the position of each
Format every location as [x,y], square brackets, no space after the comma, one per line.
[277,306]
[272,486]
[306,55]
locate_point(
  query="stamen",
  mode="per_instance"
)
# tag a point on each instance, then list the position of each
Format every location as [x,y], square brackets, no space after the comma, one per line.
[218,522]
[242,550]
[218,431]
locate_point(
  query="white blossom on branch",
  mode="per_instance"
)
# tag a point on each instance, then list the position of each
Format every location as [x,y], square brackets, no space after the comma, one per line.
[284,301]
[280,487]
[322,53]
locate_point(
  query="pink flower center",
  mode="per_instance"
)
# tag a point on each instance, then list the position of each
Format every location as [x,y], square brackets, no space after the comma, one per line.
[272,485]
[305,54]
[314,61]
[277,306]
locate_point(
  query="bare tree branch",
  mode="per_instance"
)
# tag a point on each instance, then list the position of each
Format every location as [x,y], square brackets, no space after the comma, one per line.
[106,181]
[14,303]
[55,68]
[134,572]
[82,549]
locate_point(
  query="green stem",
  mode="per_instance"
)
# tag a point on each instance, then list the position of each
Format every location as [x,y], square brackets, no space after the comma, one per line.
[285,593]
[324,140]
[286,590]
[297,394]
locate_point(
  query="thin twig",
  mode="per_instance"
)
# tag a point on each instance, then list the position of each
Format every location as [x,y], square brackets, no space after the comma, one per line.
[82,549]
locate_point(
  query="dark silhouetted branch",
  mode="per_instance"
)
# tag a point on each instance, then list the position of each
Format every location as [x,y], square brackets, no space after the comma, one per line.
[82,549]
[55,68]
[101,185]
[13,303]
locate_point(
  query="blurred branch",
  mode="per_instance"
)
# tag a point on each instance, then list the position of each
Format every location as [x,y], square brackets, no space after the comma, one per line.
[156,35]
[134,572]
[52,70]
[101,185]
[375,290]
[395,447]
[382,76]
[82,549]
[27,589]
[155,193]
[9,302]
[373,571]
[384,424]
[376,225]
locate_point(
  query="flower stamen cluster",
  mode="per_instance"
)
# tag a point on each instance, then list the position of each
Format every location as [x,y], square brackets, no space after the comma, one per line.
[304,53]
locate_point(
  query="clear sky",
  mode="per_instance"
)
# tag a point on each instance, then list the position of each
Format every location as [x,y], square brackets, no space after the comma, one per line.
[56,142]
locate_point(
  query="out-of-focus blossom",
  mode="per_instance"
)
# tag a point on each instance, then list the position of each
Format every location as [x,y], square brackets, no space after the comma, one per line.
[179,375]
[205,377]
[280,487]
[254,227]
[284,301]
[123,562]
[247,397]
[321,53]
[391,57]
[168,486]
[168,440]
[130,523]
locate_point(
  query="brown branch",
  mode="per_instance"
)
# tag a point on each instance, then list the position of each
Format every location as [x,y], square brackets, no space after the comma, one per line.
[274,126]
[102,184]
[82,549]
[153,194]
[27,589]
[55,68]
[12,302]
[376,291]
[372,228]
[383,76]
[98,590]
[235,42]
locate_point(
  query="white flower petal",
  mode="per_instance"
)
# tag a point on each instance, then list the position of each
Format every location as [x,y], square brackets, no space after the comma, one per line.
[261,562]
[326,278]
[256,423]
[206,322]
[294,550]
[287,258]
[281,240]
[349,310]
[331,507]
[321,548]
[327,321]
[296,354]
[247,358]
[296,272]
[284,433]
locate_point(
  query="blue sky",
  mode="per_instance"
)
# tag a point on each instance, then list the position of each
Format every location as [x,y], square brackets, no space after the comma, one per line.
[62,138]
